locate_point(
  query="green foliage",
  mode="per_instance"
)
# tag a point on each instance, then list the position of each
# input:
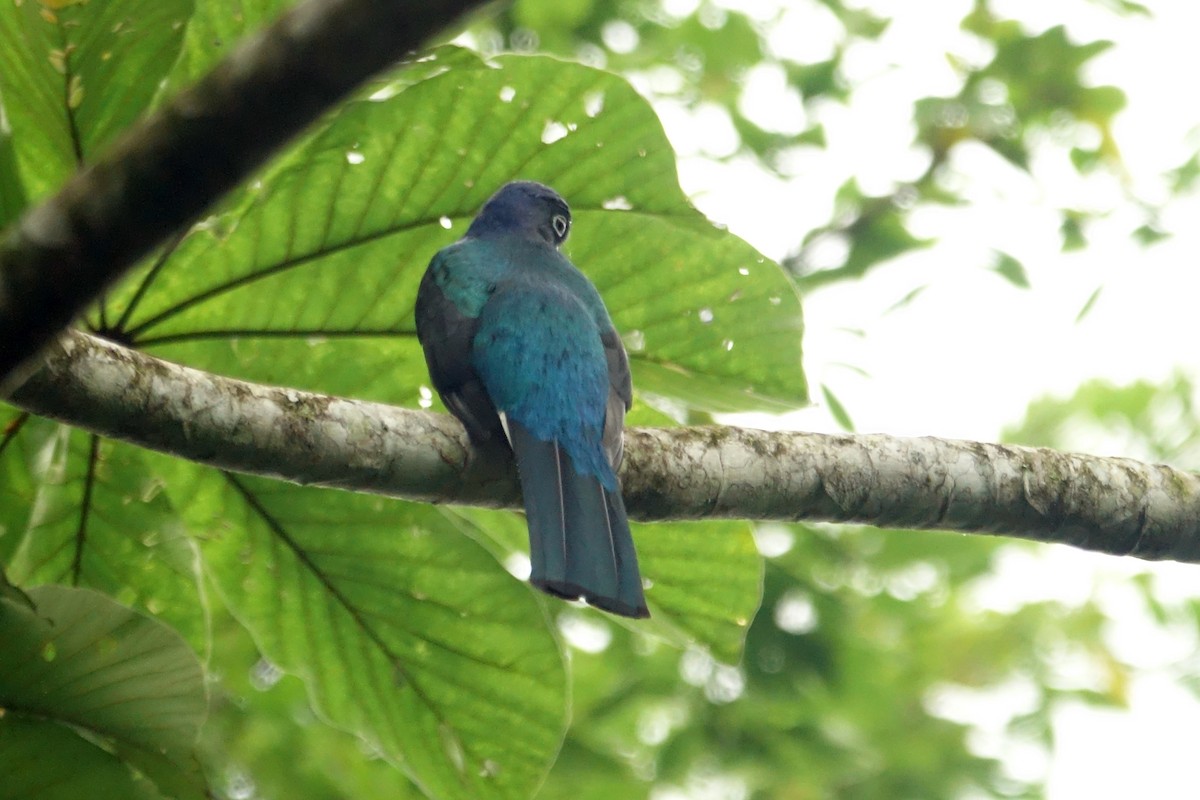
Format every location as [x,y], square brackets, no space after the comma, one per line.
[12,191]
[404,629]
[873,226]
[212,31]
[125,539]
[72,76]
[836,409]
[705,52]
[99,690]
[1153,422]
[360,647]
[699,54]
[267,741]
[51,762]
[862,636]
[1011,270]
[400,620]
[1089,304]
[1142,420]
[334,243]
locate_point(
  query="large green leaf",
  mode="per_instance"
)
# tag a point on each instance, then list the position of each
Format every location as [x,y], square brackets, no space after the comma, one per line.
[261,722]
[704,579]
[86,511]
[212,31]
[73,74]
[21,437]
[83,660]
[34,95]
[407,632]
[12,189]
[313,281]
[40,758]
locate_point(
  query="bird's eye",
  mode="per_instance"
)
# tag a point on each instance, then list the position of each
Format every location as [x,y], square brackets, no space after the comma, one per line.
[561,225]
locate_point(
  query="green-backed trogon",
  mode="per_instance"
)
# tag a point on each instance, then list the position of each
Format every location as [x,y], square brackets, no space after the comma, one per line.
[521,349]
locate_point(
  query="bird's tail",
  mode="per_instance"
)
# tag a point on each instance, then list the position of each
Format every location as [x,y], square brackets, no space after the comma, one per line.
[579,539]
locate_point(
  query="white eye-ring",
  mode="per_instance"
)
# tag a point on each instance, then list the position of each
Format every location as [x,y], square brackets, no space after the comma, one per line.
[561,225]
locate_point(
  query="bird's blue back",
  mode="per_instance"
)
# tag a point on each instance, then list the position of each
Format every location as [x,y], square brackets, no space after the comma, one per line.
[540,356]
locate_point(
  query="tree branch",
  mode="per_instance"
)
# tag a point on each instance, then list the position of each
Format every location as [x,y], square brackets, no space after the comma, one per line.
[167,169]
[1113,505]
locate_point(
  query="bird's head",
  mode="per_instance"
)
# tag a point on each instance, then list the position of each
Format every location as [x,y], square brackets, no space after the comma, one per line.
[528,208]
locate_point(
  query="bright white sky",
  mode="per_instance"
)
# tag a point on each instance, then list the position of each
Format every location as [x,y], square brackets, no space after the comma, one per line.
[968,355]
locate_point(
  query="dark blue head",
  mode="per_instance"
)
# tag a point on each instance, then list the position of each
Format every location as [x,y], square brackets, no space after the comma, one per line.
[527,208]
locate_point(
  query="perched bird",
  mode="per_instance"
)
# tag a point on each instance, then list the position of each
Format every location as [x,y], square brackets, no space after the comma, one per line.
[522,351]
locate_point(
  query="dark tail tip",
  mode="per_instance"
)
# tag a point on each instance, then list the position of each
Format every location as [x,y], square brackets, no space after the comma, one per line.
[613,605]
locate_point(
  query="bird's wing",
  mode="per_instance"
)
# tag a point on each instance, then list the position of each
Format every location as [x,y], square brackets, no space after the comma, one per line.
[446,334]
[540,355]
[620,396]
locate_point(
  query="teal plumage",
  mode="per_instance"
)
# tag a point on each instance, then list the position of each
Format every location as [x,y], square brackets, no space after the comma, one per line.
[512,329]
